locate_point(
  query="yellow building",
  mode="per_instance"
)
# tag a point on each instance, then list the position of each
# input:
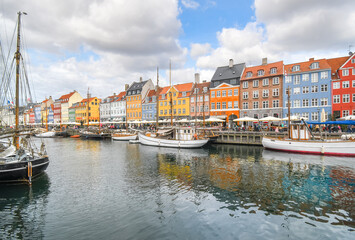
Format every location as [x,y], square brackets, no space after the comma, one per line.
[179,97]
[94,112]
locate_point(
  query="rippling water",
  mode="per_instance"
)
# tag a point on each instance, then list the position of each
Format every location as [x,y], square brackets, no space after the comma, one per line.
[116,190]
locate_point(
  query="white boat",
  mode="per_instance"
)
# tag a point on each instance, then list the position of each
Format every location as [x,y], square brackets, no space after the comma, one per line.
[300,142]
[182,138]
[124,137]
[48,134]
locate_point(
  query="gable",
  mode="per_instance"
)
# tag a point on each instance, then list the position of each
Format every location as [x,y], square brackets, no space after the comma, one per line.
[224,85]
[348,62]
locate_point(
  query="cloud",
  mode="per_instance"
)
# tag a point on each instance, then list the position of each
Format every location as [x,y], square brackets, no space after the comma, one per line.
[197,49]
[292,30]
[190,4]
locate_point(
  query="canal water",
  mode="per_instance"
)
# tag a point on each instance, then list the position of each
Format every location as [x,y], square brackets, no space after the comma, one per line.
[117,190]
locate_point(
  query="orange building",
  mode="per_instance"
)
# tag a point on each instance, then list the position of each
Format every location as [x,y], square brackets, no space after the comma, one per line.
[224,91]
[81,110]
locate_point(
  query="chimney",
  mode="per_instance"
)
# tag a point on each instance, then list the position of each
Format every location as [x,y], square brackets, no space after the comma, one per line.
[126,86]
[311,59]
[204,81]
[197,78]
[231,63]
[263,61]
[140,79]
[114,94]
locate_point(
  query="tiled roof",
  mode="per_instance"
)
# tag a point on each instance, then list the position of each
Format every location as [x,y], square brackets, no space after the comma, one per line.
[163,90]
[90,99]
[306,66]
[120,96]
[150,94]
[200,86]
[267,70]
[335,64]
[184,87]
[66,97]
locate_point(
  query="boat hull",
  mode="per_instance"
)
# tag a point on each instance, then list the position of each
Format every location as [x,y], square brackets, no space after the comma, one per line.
[94,136]
[18,171]
[332,148]
[46,135]
[158,142]
[124,138]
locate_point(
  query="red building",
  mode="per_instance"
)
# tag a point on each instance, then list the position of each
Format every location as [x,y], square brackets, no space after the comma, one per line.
[32,116]
[57,111]
[343,86]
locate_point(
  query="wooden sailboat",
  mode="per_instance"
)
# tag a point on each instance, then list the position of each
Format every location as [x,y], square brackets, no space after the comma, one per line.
[19,161]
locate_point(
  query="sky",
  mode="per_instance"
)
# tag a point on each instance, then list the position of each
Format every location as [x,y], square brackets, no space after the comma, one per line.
[102,45]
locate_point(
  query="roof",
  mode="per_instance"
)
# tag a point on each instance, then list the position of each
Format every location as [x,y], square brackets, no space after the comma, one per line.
[121,96]
[163,90]
[150,94]
[267,70]
[136,86]
[226,72]
[200,86]
[65,98]
[305,66]
[90,99]
[335,64]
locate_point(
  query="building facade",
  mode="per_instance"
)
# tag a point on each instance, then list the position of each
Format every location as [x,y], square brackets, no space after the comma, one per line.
[67,101]
[149,106]
[261,90]
[199,99]
[81,111]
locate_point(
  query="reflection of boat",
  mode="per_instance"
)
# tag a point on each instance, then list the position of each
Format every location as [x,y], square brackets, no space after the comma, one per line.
[94,135]
[124,136]
[174,138]
[20,161]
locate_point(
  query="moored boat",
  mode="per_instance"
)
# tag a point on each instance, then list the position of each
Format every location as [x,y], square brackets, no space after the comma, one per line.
[49,134]
[124,136]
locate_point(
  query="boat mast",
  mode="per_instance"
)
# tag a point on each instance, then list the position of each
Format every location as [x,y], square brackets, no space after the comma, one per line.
[17,103]
[157,100]
[46,115]
[289,112]
[203,106]
[171,97]
[87,109]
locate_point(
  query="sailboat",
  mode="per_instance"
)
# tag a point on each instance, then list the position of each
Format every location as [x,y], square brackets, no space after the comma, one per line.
[174,137]
[20,161]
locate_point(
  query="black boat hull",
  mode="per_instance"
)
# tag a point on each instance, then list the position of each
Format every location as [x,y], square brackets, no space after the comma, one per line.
[18,171]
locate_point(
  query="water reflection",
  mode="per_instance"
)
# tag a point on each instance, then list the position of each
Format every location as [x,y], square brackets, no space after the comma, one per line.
[250,179]
[23,209]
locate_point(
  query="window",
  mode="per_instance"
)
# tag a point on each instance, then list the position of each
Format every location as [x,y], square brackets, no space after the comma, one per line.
[265,82]
[346,98]
[354,82]
[235,92]
[345,72]
[295,68]
[184,94]
[212,94]
[353,60]
[206,98]
[314,116]
[288,79]
[305,77]
[245,105]
[183,101]
[192,100]
[260,72]
[223,93]
[249,74]
[305,90]
[255,83]
[346,84]
[315,65]
[230,92]
[275,80]
[265,92]
[255,94]
[314,89]
[206,108]
[179,111]
[174,102]
[296,103]
[353,70]
[212,105]
[255,105]
[245,84]
[184,110]
[223,105]
[218,105]
[245,95]
[273,70]
[314,102]
[296,79]
[296,90]
[230,105]
[305,115]
[353,99]
[275,103]
[265,104]
[324,75]
[324,101]
[345,113]
[324,88]
[305,103]
[314,77]
[336,85]
[233,81]
[236,104]
[336,99]
[218,93]
[275,92]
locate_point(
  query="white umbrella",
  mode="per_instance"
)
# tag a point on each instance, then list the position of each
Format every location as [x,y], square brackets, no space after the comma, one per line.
[294,118]
[213,119]
[245,119]
[184,120]
[350,117]
[269,119]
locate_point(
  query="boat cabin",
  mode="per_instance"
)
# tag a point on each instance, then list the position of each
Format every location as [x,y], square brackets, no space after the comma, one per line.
[299,132]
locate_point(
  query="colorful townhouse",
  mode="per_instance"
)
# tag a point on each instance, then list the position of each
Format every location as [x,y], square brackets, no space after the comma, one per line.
[135,94]
[57,111]
[71,113]
[113,108]
[149,105]
[343,86]
[261,90]
[225,90]
[67,100]
[164,103]
[310,89]
[31,116]
[81,111]
[37,112]
[106,108]
[199,99]
[47,110]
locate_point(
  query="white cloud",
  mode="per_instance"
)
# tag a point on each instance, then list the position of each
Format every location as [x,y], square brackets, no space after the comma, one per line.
[190,4]
[197,49]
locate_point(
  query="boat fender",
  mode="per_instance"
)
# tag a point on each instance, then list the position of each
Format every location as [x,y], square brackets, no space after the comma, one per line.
[29,172]
[322,149]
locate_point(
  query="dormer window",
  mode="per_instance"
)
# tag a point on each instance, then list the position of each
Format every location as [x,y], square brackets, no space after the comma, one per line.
[273,70]
[295,68]
[249,74]
[196,90]
[204,89]
[260,72]
[315,65]
[184,94]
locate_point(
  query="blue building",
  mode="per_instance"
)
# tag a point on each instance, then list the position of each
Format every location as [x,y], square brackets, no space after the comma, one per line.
[310,89]
[149,106]
[37,111]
